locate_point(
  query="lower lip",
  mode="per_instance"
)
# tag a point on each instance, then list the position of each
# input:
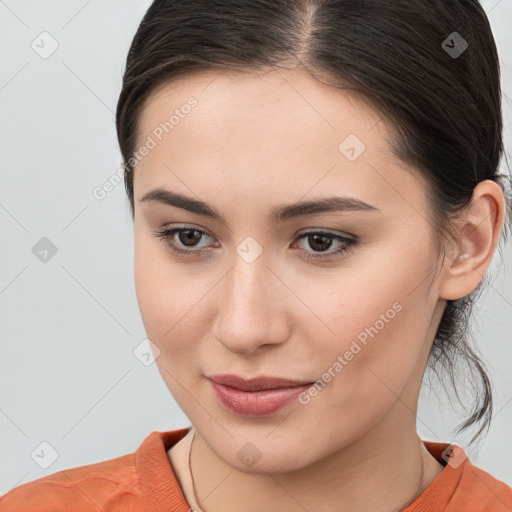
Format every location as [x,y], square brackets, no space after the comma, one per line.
[256,403]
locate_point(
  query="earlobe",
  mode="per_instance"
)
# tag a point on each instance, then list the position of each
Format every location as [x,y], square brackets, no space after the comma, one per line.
[478,232]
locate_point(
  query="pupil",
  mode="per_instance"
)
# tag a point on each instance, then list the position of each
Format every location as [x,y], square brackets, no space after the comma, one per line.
[326,242]
[188,238]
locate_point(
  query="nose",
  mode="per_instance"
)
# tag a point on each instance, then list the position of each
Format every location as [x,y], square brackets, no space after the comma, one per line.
[252,308]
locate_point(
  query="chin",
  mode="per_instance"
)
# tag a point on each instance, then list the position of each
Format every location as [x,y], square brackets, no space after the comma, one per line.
[264,456]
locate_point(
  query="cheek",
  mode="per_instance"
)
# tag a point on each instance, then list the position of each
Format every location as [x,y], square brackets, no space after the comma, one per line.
[159,300]
[163,307]
[171,301]
[379,322]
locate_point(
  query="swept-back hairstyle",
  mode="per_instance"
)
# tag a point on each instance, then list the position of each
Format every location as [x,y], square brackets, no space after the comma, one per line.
[439,91]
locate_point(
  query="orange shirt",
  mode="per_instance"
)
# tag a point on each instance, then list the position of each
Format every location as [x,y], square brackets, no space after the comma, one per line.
[145,482]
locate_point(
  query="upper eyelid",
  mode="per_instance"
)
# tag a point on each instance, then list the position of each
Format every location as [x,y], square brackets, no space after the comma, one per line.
[329,231]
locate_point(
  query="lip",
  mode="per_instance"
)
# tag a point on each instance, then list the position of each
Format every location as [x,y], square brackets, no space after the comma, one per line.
[257,397]
[258,383]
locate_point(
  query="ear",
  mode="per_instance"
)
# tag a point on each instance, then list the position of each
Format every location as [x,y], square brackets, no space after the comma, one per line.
[478,231]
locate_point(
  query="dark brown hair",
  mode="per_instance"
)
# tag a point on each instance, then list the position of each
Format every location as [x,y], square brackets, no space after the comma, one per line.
[442,100]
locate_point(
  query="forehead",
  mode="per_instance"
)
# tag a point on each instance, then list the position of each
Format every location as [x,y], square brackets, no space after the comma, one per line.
[256,100]
[248,130]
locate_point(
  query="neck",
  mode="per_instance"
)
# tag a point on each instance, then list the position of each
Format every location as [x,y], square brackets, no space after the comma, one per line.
[379,468]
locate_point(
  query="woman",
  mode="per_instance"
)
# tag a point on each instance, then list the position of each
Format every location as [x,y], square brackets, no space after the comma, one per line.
[316,201]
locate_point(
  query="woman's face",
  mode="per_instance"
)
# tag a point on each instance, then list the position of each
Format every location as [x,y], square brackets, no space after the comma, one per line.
[256,297]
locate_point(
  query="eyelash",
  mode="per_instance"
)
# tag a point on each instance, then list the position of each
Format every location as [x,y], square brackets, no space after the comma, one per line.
[167,234]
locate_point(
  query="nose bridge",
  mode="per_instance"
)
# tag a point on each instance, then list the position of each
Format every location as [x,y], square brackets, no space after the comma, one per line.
[250,312]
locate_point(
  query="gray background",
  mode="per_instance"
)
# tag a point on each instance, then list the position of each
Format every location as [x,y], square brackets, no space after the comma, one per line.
[69,326]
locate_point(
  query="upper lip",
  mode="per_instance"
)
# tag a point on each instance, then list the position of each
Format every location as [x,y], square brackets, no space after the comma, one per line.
[256,384]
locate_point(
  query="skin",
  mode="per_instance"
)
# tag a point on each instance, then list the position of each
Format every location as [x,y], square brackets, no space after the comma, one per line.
[252,143]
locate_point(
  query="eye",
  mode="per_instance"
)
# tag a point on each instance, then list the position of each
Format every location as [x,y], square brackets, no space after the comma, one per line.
[186,236]
[318,240]
[322,240]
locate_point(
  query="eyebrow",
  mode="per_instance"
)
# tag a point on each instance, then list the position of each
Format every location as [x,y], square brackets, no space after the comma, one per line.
[279,214]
